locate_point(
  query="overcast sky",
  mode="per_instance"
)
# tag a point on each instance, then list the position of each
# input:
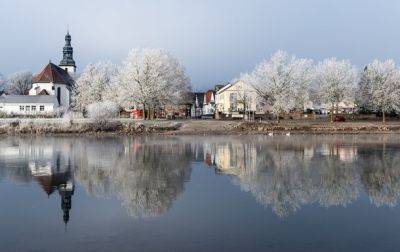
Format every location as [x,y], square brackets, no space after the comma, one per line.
[215,40]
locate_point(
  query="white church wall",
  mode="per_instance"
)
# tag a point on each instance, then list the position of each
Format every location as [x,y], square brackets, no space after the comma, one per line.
[65,97]
[70,69]
[47,86]
[65,94]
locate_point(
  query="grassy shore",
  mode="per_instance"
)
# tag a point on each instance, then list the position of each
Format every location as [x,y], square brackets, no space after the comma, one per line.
[84,126]
[190,127]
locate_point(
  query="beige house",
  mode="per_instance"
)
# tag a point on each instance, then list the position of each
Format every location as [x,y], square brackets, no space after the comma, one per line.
[237,99]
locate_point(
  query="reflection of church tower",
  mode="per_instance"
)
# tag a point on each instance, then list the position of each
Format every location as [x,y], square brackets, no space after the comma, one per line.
[66,191]
[68,62]
[56,175]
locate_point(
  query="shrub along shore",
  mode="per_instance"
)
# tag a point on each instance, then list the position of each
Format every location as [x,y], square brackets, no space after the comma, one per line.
[189,127]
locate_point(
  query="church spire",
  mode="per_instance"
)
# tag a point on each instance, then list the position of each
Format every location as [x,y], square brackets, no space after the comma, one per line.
[68,62]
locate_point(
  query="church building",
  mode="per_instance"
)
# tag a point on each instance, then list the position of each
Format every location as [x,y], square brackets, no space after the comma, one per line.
[52,88]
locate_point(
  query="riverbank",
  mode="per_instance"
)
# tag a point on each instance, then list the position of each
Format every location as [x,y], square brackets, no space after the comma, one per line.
[85,126]
[190,127]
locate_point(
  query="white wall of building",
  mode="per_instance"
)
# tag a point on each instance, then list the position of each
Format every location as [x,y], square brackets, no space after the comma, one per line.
[237,94]
[15,108]
[52,89]
[65,94]
[70,69]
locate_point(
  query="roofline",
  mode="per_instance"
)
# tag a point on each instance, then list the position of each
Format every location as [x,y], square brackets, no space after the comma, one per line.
[225,87]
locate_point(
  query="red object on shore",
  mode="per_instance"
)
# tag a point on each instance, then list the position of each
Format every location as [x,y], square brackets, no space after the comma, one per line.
[339,118]
[137,113]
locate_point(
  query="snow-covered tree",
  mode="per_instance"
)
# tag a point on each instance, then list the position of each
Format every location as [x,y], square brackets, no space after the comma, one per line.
[151,78]
[363,89]
[336,81]
[94,84]
[380,88]
[102,111]
[20,83]
[282,82]
[3,83]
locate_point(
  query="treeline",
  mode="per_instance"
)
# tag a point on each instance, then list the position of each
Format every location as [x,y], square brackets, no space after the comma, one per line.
[151,78]
[286,83]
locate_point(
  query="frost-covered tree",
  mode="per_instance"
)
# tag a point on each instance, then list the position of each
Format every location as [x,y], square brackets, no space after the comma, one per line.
[282,82]
[336,81]
[380,88]
[362,98]
[20,83]
[94,84]
[3,84]
[102,111]
[151,78]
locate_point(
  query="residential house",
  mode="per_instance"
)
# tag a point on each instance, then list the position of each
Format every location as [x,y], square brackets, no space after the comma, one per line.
[27,104]
[345,106]
[209,104]
[237,100]
[196,109]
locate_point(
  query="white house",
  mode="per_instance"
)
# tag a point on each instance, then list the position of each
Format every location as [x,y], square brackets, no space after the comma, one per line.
[237,99]
[28,104]
[51,88]
[209,104]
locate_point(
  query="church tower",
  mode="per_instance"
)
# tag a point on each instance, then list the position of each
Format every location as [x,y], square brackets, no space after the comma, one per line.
[68,62]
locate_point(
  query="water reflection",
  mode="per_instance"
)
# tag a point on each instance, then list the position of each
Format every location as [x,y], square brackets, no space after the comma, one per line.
[148,174]
[287,173]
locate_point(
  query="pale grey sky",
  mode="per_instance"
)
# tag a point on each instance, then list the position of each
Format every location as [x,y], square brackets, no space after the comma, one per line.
[216,40]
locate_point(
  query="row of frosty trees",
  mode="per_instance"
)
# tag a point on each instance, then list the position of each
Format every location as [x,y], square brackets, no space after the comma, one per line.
[287,83]
[147,78]
[151,78]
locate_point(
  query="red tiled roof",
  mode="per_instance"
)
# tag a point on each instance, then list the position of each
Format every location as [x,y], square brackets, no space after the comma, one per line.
[53,73]
[43,92]
[208,95]
[49,183]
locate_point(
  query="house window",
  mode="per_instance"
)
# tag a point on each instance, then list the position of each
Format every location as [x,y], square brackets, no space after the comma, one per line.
[28,108]
[52,87]
[33,108]
[21,108]
[233,102]
[41,108]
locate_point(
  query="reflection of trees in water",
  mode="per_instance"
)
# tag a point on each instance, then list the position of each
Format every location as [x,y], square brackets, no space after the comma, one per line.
[291,172]
[339,182]
[381,175]
[283,173]
[277,181]
[146,175]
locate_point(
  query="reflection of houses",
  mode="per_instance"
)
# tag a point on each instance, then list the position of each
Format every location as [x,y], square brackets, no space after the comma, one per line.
[49,162]
[344,153]
[232,158]
[55,174]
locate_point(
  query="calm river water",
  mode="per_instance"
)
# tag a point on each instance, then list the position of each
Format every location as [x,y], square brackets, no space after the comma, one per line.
[219,193]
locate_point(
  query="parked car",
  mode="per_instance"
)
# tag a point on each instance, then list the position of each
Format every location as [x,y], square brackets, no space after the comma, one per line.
[339,118]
